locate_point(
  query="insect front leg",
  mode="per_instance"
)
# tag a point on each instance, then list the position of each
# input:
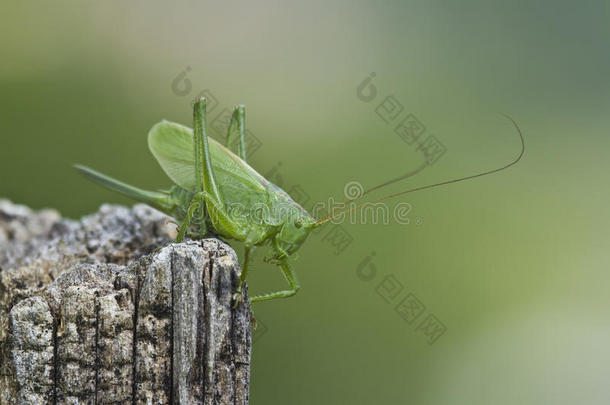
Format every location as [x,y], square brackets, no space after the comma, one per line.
[238,118]
[290,276]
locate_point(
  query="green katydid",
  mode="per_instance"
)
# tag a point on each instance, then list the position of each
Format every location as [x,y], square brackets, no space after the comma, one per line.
[214,187]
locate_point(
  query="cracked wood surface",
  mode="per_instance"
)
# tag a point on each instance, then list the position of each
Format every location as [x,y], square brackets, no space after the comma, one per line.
[91,313]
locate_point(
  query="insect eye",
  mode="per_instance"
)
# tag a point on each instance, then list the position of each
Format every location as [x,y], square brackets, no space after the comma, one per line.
[298,222]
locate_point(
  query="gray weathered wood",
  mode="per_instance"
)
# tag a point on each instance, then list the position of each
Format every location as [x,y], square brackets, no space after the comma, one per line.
[91,313]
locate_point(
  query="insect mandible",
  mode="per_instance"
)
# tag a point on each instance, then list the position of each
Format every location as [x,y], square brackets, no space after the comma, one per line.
[217,192]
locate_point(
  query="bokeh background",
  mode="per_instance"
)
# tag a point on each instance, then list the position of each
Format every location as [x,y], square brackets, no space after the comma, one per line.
[514,266]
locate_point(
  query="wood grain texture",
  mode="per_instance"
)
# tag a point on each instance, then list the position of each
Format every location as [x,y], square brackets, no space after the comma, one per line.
[91,313]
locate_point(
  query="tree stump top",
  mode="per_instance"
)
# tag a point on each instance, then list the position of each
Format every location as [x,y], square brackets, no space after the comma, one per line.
[91,313]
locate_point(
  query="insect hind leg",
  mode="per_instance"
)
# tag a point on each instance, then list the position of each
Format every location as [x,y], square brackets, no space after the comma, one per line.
[198,201]
[238,118]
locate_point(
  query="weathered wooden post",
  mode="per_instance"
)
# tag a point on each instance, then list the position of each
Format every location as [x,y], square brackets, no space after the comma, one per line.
[91,313]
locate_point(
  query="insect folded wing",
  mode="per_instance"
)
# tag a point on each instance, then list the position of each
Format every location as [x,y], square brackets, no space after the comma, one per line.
[172,145]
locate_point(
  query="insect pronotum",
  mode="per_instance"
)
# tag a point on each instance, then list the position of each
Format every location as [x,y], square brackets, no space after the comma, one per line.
[215,187]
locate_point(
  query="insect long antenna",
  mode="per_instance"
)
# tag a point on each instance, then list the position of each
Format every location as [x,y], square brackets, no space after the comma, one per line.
[333,215]
[387,183]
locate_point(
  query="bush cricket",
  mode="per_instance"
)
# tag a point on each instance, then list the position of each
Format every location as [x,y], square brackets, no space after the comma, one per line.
[216,191]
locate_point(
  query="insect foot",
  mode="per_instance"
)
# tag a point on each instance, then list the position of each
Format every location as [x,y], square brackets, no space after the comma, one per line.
[102,318]
[237,299]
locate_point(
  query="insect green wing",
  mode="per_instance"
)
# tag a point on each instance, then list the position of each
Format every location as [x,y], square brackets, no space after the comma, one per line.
[172,145]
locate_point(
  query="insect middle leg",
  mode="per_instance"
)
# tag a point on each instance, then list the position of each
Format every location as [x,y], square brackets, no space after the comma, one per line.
[243,276]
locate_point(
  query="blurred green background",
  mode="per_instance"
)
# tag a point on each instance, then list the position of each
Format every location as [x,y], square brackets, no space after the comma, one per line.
[513,265]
